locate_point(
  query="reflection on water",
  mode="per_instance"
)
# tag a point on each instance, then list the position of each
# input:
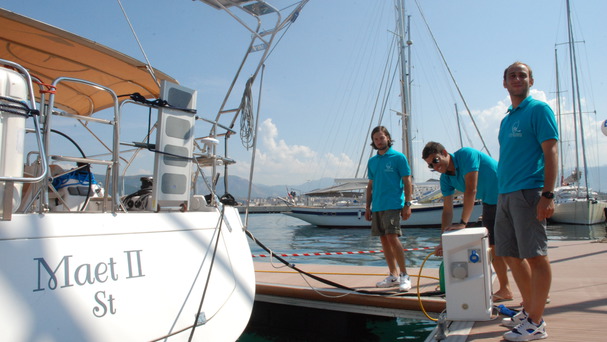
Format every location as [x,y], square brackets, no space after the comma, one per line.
[289,235]
[577,232]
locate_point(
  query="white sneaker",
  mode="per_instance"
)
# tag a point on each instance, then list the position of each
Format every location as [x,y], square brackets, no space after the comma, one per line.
[515,320]
[527,331]
[404,282]
[390,281]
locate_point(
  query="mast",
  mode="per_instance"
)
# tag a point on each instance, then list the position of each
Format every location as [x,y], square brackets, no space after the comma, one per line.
[577,106]
[404,53]
[558,116]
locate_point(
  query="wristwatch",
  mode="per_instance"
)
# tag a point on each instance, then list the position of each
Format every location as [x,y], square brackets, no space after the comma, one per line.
[463,222]
[548,194]
[407,204]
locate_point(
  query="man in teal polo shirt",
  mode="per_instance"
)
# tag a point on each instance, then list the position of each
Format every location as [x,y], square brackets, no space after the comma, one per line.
[527,172]
[475,174]
[388,200]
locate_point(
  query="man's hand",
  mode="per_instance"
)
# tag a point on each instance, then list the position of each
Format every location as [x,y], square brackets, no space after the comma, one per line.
[368,214]
[545,208]
[405,213]
[438,250]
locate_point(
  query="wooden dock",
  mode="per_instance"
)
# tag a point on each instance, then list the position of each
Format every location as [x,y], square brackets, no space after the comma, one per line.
[577,309]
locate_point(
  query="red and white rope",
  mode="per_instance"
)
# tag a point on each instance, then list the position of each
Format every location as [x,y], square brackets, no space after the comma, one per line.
[335,253]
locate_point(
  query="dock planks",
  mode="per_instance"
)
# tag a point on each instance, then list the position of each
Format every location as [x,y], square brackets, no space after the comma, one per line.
[577,309]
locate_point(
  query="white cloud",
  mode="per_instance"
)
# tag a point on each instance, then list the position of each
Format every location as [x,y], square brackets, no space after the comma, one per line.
[277,162]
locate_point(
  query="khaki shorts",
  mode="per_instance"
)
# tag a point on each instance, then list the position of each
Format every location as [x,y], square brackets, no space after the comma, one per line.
[518,233]
[385,222]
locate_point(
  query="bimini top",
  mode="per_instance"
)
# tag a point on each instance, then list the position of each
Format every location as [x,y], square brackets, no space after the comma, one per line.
[49,52]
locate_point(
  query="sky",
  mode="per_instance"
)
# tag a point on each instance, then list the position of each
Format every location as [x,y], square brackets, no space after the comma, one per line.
[319,95]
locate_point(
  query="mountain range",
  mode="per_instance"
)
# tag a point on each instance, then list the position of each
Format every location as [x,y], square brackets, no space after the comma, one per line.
[239,187]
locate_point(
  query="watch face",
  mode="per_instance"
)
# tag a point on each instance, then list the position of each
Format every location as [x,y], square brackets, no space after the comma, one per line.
[548,194]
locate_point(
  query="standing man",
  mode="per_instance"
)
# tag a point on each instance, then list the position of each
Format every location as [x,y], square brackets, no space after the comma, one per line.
[388,200]
[527,171]
[475,174]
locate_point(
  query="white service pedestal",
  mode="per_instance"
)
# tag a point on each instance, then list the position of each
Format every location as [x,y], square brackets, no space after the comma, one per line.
[467,274]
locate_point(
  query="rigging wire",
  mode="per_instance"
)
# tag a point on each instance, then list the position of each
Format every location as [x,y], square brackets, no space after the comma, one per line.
[206,285]
[148,65]
[452,77]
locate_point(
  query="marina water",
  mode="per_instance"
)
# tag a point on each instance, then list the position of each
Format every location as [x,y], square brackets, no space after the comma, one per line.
[287,235]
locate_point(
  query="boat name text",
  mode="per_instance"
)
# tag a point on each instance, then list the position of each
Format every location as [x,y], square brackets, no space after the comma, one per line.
[68,274]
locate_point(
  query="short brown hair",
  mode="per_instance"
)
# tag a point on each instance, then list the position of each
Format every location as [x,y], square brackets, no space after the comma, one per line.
[431,148]
[519,63]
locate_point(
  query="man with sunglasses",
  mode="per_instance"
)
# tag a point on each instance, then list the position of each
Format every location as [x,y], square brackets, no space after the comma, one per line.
[389,194]
[475,174]
[527,172]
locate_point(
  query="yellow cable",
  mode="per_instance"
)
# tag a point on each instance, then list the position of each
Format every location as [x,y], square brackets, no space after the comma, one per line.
[419,300]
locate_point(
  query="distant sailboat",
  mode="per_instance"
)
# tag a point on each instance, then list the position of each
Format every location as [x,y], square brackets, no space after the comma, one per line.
[575,202]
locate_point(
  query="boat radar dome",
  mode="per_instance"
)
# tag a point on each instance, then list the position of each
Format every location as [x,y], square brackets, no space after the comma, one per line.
[604,127]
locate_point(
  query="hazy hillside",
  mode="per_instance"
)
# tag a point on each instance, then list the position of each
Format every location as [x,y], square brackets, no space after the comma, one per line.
[239,187]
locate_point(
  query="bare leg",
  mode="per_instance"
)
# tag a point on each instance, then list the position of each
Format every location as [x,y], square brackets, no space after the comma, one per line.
[541,279]
[501,269]
[389,255]
[394,254]
[522,276]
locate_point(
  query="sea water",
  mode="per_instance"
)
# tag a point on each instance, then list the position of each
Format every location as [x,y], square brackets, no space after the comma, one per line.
[287,235]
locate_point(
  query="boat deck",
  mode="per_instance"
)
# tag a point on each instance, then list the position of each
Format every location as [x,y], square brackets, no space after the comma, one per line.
[577,308]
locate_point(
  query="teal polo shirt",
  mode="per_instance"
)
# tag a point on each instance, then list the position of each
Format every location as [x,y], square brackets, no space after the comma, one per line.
[468,160]
[522,131]
[386,171]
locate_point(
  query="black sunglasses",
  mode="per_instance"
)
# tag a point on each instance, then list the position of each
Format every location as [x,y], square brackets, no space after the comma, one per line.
[434,161]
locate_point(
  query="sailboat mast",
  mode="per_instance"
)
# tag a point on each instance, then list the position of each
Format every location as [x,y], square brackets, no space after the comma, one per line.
[577,106]
[404,53]
[558,116]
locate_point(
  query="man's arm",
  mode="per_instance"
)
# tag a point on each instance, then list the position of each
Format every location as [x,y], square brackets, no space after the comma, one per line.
[545,208]
[447,217]
[471,180]
[446,221]
[408,185]
[369,198]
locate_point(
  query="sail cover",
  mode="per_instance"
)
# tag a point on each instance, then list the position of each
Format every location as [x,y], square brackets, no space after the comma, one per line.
[49,52]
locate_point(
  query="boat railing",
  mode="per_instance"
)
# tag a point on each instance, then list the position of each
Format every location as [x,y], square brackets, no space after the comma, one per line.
[111,164]
[9,181]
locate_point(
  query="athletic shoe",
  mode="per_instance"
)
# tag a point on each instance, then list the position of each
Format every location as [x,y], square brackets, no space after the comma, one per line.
[390,281]
[527,331]
[515,320]
[404,282]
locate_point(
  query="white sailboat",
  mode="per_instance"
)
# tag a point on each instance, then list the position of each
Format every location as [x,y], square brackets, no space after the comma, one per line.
[575,202]
[86,262]
[346,209]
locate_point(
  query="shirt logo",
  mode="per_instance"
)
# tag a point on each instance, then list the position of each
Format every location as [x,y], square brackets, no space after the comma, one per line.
[516,131]
[388,167]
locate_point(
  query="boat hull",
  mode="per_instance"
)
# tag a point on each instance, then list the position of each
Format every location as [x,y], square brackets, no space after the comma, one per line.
[579,211]
[426,215]
[125,276]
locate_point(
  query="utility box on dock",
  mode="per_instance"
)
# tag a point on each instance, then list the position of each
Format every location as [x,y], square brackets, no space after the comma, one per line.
[467,274]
